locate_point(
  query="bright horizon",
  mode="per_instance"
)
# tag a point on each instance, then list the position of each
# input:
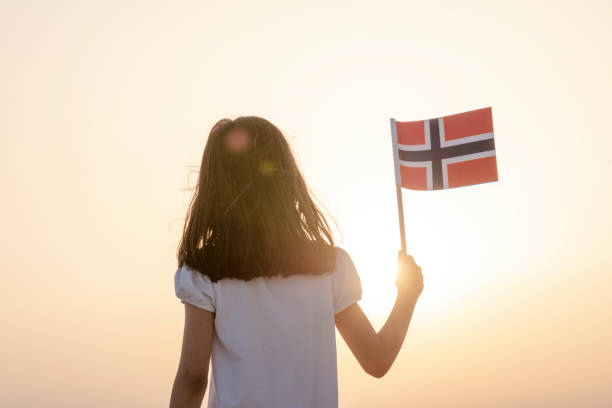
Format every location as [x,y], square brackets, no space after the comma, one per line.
[105,108]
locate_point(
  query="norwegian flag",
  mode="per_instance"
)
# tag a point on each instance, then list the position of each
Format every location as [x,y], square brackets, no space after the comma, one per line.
[441,153]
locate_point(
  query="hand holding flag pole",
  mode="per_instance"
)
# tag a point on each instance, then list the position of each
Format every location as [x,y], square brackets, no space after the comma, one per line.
[441,153]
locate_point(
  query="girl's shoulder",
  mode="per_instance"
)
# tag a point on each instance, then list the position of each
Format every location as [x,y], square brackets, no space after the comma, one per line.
[341,252]
[346,283]
[193,287]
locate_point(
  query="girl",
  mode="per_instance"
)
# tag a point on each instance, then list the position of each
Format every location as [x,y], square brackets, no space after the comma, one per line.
[263,284]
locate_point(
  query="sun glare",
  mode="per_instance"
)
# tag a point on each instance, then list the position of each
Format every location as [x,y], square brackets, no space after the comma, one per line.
[373,249]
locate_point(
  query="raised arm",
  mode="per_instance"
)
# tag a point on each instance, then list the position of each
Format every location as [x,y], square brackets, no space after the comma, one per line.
[374,351]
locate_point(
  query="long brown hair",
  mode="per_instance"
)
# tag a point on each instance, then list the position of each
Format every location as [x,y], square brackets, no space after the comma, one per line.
[252,213]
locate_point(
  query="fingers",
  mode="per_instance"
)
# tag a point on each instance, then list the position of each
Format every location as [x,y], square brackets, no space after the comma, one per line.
[407,263]
[410,275]
[402,255]
[406,258]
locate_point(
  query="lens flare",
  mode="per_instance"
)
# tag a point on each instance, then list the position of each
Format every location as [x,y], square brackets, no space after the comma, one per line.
[267,168]
[237,141]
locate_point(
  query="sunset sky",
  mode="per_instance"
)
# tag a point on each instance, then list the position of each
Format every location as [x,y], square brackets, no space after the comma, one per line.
[104,111]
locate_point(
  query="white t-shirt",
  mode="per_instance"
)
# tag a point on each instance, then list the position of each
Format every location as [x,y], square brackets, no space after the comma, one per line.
[274,343]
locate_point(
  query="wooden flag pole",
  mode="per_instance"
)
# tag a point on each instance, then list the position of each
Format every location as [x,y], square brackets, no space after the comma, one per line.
[400,213]
[398,185]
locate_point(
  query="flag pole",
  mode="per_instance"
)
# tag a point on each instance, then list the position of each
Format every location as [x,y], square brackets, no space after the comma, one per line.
[400,212]
[398,185]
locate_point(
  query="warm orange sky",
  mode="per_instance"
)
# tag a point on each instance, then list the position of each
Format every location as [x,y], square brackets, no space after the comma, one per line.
[105,104]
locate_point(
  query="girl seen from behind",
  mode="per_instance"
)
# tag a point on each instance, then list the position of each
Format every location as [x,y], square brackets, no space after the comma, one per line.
[264,285]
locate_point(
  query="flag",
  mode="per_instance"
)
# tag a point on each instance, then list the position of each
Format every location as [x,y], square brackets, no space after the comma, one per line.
[446,152]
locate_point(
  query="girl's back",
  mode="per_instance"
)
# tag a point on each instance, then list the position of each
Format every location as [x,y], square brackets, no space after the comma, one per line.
[264,284]
[274,341]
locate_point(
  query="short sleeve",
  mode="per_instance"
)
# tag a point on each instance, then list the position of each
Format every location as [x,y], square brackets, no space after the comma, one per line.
[346,284]
[195,288]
